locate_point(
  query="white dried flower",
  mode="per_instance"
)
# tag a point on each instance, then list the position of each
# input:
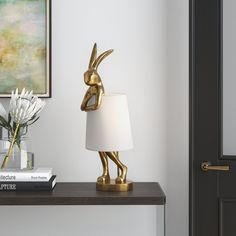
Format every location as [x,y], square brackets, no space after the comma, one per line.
[24,106]
[3,112]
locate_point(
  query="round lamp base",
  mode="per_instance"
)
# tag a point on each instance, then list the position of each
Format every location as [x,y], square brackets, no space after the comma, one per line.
[114,187]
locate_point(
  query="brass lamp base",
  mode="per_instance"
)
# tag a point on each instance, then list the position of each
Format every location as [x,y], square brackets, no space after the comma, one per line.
[114,187]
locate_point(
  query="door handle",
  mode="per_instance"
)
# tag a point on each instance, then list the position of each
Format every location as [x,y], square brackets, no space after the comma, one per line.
[205,166]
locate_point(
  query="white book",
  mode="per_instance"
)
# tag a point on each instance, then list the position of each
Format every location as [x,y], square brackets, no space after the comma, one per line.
[35,175]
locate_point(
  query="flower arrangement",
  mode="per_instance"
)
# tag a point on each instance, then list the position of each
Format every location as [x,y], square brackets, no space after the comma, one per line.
[24,109]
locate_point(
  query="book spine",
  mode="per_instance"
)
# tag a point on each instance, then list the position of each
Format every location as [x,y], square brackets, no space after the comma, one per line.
[17,177]
[26,186]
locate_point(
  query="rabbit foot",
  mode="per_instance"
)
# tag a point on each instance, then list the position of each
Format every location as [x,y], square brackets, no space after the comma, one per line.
[104,179]
[122,178]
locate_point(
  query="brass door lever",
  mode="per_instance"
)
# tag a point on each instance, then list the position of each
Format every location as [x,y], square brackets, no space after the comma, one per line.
[205,166]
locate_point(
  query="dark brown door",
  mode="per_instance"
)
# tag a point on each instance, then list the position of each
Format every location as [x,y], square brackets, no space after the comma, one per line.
[212,192]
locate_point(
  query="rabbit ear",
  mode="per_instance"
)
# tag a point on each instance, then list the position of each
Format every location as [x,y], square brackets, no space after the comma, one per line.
[101,57]
[93,56]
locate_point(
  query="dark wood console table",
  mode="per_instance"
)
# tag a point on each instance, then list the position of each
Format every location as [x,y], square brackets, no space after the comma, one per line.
[85,194]
[144,193]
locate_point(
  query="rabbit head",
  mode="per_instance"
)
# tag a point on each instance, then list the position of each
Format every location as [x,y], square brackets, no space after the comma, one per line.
[91,76]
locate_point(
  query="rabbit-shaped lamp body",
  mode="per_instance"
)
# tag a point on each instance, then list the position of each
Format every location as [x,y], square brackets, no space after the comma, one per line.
[96,90]
[93,80]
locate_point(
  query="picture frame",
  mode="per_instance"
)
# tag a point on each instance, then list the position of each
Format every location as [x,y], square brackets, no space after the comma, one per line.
[25,46]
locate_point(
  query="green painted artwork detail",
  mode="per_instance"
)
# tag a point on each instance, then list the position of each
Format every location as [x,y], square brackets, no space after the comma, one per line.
[23,45]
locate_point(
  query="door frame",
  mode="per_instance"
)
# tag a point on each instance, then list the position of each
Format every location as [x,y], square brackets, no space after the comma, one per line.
[205,64]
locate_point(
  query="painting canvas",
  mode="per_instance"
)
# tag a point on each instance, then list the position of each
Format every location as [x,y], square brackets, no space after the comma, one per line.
[25,46]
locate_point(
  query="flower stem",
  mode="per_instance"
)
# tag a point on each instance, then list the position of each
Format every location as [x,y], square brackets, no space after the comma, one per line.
[4,164]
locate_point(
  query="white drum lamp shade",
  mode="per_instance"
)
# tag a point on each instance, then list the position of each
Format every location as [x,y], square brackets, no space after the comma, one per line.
[108,128]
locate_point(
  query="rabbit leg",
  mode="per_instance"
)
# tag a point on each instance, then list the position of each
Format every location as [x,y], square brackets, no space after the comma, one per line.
[122,176]
[105,178]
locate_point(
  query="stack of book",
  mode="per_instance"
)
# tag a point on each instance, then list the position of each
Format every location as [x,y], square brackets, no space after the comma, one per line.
[40,179]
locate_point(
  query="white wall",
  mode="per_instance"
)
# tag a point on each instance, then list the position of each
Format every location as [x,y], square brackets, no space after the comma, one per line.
[177,160]
[150,64]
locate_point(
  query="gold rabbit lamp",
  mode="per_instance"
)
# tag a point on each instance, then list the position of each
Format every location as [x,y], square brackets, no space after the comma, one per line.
[108,126]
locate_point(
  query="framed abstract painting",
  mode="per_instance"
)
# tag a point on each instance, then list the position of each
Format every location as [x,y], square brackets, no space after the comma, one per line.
[25,46]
